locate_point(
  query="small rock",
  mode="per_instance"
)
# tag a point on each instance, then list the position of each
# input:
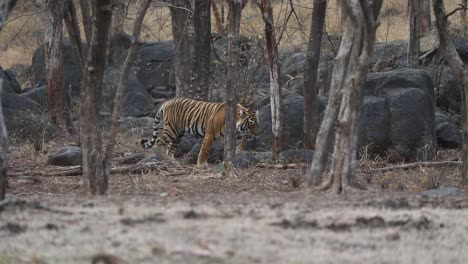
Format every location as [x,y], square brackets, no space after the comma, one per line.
[68,156]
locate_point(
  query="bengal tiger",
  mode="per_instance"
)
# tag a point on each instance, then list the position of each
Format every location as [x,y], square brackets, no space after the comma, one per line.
[198,118]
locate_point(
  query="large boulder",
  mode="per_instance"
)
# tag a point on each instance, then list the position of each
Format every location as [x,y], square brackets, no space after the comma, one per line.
[10,84]
[374,125]
[37,94]
[447,131]
[154,63]
[17,107]
[71,72]
[137,101]
[68,156]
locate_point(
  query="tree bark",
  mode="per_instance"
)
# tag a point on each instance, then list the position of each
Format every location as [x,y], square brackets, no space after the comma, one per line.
[181,28]
[233,28]
[73,29]
[218,21]
[459,71]
[345,97]
[119,96]
[86,15]
[202,50]
[425,16]
[94,172]
[57,103]
[311,119]
[413,46]
[463,12]
[276,96]
[5,8]
[119,16]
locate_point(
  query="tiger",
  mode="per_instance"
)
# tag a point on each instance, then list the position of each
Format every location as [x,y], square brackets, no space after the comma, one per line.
[200,119]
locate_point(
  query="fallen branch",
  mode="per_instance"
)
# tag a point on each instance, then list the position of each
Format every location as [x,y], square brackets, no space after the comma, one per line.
[417,165]
[283,166]
[137,168]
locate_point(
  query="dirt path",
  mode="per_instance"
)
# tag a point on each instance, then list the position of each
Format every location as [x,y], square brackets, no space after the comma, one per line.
[245,227]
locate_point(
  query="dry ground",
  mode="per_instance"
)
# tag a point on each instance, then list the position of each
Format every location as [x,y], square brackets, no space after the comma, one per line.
[256,216]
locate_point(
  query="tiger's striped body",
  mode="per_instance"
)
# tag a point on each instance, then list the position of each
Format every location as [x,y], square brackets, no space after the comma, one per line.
[198,118]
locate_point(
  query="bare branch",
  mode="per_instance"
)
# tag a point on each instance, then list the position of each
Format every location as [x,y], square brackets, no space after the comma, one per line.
[459,8]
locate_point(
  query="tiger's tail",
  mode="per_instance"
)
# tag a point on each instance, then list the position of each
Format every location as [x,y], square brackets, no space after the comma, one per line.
[157,119]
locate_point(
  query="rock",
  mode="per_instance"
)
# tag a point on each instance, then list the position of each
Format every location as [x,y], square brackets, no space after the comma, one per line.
[131,159]
[71,72]
[294,112]
[153,64]
[294,64]
[154,157]
[162,92]
[216,152]
[447,131]
[119,43]
[445,191]
[37,94]
[296,155]
[374,125]
[17,107]
[10,84]
[137,101]
[68,156]
[449,91]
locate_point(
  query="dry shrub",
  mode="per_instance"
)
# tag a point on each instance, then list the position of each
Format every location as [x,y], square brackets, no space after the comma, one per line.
[36,130]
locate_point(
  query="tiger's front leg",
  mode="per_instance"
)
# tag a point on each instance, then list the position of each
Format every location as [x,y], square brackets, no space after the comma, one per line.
[208,141]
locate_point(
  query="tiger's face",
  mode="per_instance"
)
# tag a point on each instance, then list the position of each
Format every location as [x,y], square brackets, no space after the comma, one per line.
[247,122]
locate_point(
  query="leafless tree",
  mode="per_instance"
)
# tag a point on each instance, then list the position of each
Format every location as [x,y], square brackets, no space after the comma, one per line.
[218,19]
[5,8]
[94,174]
[73,29]
[276,96]
[425,16]
[413,46]
[57,103]
[202,50]
[86,16]
[182,26]
[119,96]
[344,103]
[233,28]
[459,70]
[463,11]
[311,119]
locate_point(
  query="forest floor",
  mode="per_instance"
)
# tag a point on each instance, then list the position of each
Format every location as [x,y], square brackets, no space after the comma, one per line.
[256,216]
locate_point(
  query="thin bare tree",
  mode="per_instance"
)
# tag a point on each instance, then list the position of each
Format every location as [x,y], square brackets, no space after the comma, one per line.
[73,29]
[202,50]
[57,103]
[425,16]
[119,96]
[463,12]
[182,26]
[218,20]
[119,16]
[86,16]
[311,118]
[413,45]
[459,71]
[233,28]
[276,96]
[5,8]
[94,172]
[344,103]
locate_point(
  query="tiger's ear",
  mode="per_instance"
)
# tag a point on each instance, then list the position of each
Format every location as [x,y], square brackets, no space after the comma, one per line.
[241,113]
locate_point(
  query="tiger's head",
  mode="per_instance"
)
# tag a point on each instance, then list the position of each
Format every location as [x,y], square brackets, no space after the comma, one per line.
[247,122]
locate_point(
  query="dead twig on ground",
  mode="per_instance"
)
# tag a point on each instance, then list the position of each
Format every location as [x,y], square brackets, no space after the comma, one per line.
[282,166]
[417,165]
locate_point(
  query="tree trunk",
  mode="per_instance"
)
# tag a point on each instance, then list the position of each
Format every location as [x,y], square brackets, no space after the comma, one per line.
[276,97]
[311,119]
[86,15]
[202,50]
[57,104]
[425,16]
[181,29]
[119,17]
[94,172]
[119,96]
[413,46]
[345,97]
[218,21]
[459,71]
[5,7]
[73,29]
[3,136]
[234,17]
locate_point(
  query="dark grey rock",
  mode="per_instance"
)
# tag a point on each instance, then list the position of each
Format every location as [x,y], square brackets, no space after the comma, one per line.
[374,125]
[294,64]
[447,131]
[153,64]
[445,191]
[37,94]
[68,156]
[154,157]
[245,159]
[131,159]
